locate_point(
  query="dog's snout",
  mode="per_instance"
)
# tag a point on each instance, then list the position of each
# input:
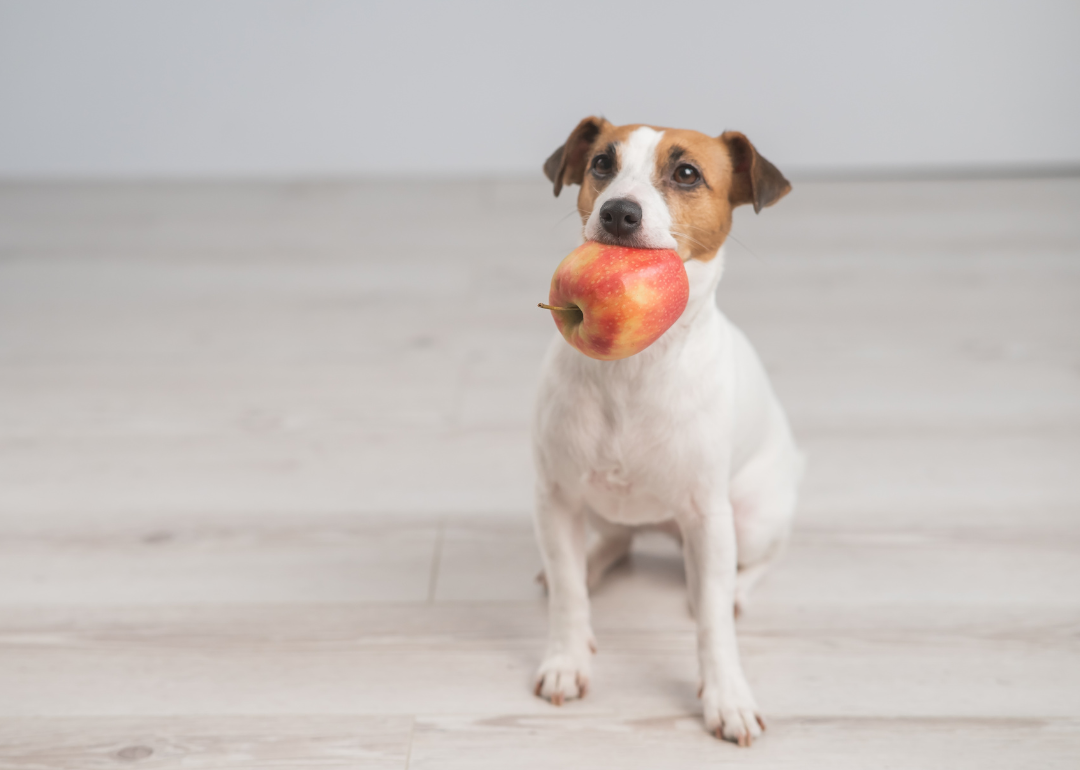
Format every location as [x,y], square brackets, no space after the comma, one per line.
[620,216]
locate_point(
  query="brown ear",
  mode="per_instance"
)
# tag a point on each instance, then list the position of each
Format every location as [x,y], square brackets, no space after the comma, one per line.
[567,164]
[754,179]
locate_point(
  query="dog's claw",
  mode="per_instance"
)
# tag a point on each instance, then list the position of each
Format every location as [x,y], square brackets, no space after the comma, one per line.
[564,677]
[761,722]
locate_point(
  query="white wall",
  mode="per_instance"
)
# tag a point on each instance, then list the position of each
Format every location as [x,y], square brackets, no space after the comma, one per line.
[273,87]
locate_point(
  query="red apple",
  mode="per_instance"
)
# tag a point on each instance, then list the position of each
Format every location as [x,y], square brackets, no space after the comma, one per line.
[611,302]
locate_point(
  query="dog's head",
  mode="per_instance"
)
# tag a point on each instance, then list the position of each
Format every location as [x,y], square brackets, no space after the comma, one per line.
[662,188]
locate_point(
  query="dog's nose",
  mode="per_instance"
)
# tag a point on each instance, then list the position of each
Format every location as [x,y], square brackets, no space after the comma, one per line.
[620,216]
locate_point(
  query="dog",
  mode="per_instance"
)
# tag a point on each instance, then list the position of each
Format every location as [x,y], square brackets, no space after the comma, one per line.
[686,435]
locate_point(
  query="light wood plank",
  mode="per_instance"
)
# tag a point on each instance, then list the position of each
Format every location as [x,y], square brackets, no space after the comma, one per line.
[193,559]
[673,740]
[86,743]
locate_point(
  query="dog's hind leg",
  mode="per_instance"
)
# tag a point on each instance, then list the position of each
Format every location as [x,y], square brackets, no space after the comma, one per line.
[764,504]
[612,545]
[747,577]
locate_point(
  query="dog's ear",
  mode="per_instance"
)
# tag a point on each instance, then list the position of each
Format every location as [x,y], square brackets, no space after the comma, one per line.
[567,164]
[753,179]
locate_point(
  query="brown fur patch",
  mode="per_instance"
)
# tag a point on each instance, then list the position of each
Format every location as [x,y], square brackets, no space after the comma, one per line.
[700,215]
[754,179]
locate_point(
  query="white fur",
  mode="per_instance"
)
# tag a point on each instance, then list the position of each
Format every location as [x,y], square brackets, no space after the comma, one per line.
[634,181]
[687,431]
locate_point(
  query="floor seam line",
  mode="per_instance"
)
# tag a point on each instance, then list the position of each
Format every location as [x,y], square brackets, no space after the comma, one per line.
[436,561]
[412,734]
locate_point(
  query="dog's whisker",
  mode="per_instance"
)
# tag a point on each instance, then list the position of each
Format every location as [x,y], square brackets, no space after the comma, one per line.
[726,233]
[687,237]
[749,251]
[691,240]
[691,225]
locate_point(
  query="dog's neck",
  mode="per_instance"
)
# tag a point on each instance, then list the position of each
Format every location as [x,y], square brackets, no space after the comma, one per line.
[704,278]
[701,307]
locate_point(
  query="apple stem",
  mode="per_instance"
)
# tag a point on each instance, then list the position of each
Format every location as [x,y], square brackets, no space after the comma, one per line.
[552,307]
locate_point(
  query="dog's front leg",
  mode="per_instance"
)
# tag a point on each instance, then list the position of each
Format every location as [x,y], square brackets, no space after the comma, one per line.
[711,558]
[560,528]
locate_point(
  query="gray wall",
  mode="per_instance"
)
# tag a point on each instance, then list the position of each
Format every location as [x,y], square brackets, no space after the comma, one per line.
[269,87]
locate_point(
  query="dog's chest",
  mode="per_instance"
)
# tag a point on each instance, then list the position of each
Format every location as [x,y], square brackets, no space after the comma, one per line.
[621,474]
[644,445]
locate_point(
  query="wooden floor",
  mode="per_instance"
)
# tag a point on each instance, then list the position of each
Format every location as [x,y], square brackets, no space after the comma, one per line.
[265,483]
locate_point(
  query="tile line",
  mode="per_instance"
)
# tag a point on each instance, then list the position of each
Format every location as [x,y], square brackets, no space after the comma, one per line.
[412,734]
[436,559]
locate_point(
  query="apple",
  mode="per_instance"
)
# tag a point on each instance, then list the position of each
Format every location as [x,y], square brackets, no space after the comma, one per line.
[611,302]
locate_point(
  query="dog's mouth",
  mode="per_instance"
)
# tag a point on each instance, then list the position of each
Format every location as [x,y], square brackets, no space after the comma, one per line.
[641,242]
[632,241]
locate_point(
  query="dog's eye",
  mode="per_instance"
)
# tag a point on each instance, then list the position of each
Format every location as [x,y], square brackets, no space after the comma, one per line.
[686,174]
[601,164]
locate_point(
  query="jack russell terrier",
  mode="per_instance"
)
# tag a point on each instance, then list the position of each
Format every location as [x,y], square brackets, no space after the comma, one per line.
[686,435]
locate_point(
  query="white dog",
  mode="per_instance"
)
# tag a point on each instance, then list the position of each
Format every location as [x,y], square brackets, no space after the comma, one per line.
[685,435]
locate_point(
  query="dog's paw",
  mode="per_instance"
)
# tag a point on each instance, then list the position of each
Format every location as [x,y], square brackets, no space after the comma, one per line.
[732,715]
[563,677]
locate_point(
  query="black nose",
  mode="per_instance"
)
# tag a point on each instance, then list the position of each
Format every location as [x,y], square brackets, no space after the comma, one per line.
[620,216]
